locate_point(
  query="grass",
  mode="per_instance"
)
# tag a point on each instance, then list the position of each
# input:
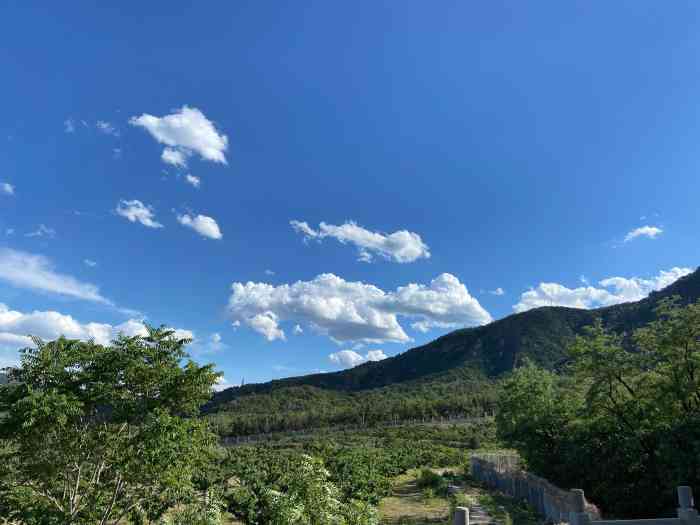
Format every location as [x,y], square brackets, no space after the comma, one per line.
[410,505]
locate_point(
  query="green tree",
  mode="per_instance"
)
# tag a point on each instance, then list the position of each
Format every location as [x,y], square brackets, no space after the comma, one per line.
[94,433]
[624,423]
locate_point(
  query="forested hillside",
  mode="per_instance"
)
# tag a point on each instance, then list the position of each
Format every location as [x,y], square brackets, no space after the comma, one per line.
[540,335]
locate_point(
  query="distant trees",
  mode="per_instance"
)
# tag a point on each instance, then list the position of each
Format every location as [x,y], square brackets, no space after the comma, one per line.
[93,434]
[307,407]
[624,422]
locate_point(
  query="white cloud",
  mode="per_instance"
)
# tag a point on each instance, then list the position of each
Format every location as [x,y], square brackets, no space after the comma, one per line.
[16,326]
[354,311]
[90,263]
[346,358]
[350,358]
[42,231]
[137,211]
[401,246]
[498,291]
[9,231]
[7,188]
[375,355]
[174,157]
[613,290]
[298,330]
[194,181]
[117,153]
[644,231]
[186,131]
[269,272]
[69,125]
[205,226]
[26,270]
[107,128]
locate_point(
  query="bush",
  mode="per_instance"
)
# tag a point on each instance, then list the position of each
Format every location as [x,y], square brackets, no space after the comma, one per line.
[431,480]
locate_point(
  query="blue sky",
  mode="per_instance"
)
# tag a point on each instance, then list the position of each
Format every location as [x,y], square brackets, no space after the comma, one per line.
[509,144]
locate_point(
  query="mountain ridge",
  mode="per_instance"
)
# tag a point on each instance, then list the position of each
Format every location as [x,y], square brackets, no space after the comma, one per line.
[540,334]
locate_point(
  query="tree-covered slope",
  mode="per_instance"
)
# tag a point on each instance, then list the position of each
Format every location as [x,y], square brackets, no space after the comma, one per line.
[541,335]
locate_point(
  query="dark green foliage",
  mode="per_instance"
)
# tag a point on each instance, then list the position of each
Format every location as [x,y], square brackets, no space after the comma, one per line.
[306,407]
[624,423]
[428,479]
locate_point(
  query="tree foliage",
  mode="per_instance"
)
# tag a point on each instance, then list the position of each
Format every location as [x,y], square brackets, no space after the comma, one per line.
[624,424]
[92,434]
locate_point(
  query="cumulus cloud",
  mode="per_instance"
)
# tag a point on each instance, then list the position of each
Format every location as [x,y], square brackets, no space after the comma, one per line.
[69,125]
[644,231]
[205,226]
[194,181]
[354,311]
[174,157]
[401,246]
[89,262]
[298,330]
[375,355]
[266,324]
[498,291]
[613,290]
[350,358]
[346,358]
[36,272]
[7,188]
[185,132]
[137,211]
[16,326]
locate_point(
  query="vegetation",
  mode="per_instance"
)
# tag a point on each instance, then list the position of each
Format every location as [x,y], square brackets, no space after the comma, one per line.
[94,434]
[129,433]
[360,466]
[623,423]
[310,408]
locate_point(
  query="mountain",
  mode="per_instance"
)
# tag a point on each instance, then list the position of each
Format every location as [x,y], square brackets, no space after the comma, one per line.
[541,334]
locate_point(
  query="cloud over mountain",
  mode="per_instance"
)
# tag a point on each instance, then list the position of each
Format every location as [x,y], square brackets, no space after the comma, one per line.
[354,311]
[350,358]
[613,290]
